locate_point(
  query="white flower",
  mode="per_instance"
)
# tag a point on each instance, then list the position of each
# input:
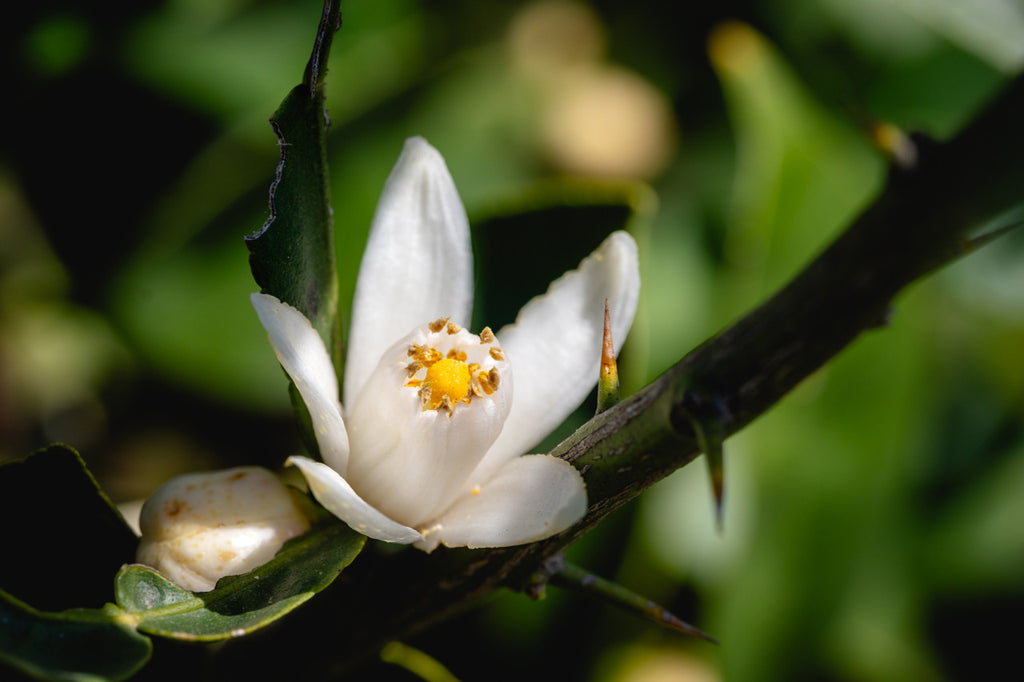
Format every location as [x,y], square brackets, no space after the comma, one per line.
[198,528]
[428,447]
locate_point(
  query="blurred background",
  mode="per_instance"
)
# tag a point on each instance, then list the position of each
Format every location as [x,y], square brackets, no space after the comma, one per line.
[873,520]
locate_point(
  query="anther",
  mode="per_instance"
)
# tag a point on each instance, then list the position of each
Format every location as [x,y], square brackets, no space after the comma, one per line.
[438,324]
[488,381]
[497,353]
[486,336]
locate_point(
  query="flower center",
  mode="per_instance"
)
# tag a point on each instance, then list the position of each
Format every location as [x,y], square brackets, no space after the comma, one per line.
[447,379]
[454,366]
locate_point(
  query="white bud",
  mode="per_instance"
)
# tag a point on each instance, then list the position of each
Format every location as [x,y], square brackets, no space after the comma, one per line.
[198,528]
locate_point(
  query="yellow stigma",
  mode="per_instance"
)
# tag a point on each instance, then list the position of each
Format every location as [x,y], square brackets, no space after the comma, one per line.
[447,382]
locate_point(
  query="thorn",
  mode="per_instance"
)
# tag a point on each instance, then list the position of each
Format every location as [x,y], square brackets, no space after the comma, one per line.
[712,448]
[608,380]
[574,578]
[704,413]
[1010,222]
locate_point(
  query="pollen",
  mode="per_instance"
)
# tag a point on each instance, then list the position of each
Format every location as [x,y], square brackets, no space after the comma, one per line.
[446,383]
[449,367]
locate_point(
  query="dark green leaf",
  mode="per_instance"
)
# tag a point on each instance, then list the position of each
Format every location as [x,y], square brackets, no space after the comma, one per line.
[79,645]
[292,255]
[522,248]
[63,539]
[239,604]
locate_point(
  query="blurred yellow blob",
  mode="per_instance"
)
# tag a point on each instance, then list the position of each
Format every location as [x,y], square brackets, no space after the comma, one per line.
[650,664]
[735,47]
[609,122]
[596,119]
[555,34]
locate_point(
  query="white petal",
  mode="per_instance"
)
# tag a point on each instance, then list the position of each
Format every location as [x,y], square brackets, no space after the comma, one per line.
[337,497]
[302,353]
[409,460]
[418,263]
[529,498]
[554,346]
[198,528]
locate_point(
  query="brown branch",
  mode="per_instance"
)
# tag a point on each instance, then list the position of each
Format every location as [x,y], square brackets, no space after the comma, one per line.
[919,223]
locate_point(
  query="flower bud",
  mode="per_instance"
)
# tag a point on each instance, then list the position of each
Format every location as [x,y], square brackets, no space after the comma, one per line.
[200,527]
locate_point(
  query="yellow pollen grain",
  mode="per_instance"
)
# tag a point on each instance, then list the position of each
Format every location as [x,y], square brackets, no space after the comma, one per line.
[447,383]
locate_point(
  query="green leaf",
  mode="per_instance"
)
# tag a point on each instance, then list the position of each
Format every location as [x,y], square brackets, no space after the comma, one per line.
[80,644]
[63,539]
[239,604]
[292,255]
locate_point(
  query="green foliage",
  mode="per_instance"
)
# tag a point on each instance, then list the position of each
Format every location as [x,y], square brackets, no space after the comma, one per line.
[81,645]
[55,516]
[292,255]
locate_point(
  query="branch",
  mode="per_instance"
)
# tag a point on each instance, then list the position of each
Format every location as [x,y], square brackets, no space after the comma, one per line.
[920,222]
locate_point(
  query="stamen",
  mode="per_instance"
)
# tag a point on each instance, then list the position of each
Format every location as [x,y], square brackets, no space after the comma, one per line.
[488,381]
[441,372]
[424,355]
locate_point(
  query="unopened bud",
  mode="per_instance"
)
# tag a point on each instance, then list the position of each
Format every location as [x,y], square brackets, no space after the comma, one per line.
[198,528]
